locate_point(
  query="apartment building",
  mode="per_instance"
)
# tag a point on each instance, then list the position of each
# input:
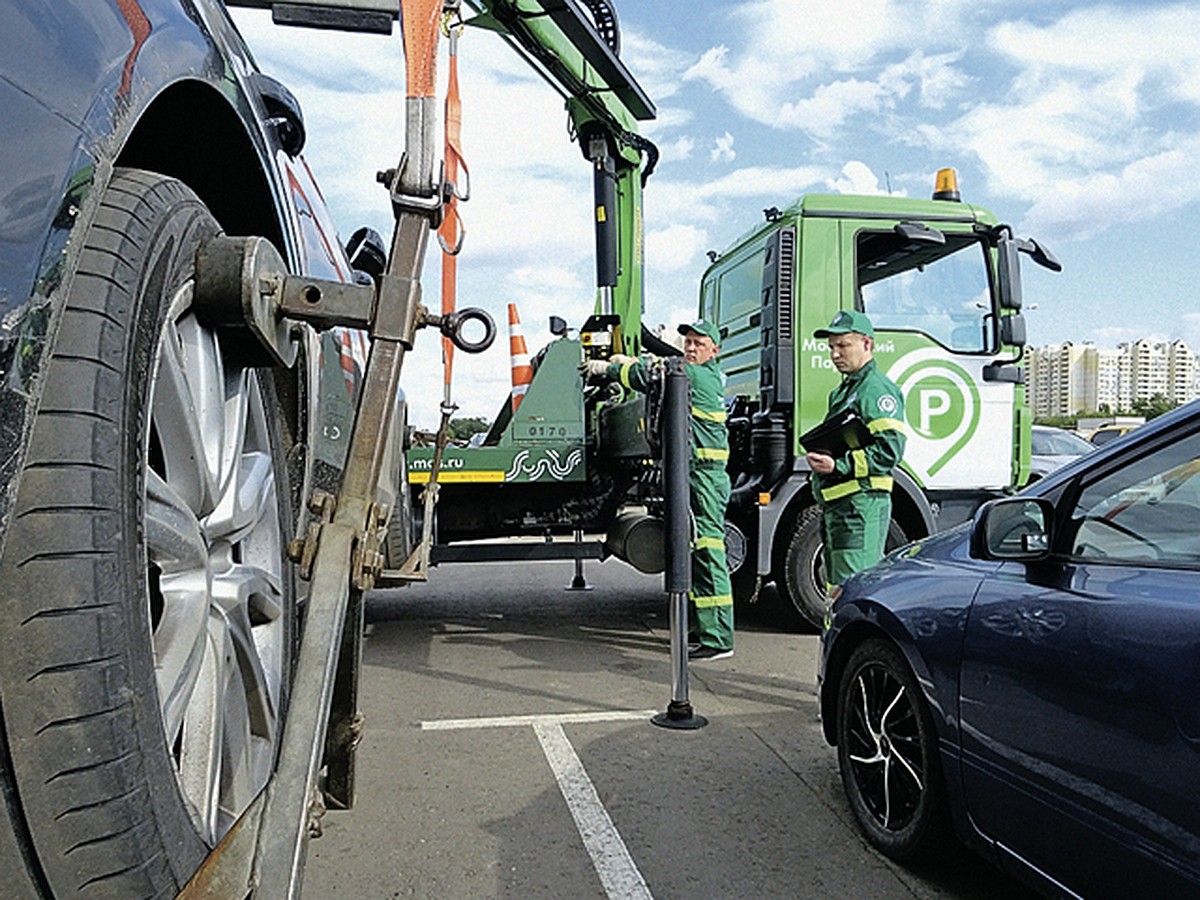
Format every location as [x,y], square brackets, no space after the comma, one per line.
[1068,378]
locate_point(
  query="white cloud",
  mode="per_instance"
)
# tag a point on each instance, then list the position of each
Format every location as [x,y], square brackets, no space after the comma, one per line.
[1146,188]
[826,111]
[545,277]
[668,119]
[676,151]
[656,66]
[857,178]
[799,66]
[722,150]
[675,247]
[1097,124]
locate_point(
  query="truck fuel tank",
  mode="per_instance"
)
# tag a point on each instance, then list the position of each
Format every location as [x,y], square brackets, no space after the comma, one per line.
[638,539]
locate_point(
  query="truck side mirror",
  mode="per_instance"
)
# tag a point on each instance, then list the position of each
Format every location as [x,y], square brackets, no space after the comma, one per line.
[1012,330]
[1008,272]
[558,326]
[1042,256]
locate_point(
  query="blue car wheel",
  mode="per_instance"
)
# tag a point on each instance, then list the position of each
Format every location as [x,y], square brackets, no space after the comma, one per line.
[887,754]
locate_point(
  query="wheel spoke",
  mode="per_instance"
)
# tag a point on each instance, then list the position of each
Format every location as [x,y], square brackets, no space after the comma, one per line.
[863,715]
[910,767]
[178,554]
[251,599]
[186,412]
[247,481]
[887,793]
[173,536]
[199,757]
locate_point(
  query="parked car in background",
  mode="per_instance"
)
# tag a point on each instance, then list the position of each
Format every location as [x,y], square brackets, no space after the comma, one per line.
[1105,433]
[1053,447]
[1030,681]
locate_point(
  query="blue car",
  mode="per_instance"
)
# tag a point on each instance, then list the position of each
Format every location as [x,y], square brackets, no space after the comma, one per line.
[1030,682]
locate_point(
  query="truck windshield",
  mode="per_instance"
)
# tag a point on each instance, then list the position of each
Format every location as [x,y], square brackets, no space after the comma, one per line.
[940,290]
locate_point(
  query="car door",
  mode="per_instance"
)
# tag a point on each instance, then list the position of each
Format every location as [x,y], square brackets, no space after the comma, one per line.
[1080,687]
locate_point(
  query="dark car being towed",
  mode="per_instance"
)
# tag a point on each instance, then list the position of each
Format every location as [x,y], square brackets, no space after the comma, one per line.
[150,463]
[1031,682]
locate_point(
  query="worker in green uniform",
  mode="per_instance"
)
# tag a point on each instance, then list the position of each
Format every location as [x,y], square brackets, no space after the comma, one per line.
[711,595]
[854,490]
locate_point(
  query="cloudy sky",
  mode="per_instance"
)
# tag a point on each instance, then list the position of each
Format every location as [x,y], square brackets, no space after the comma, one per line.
[1078,123]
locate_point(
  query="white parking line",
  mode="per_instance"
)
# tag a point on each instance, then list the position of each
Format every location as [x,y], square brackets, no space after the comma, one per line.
[615,715]
[618,873]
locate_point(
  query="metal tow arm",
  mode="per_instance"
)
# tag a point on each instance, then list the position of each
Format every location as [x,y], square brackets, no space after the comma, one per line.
[416,198]
[263,855]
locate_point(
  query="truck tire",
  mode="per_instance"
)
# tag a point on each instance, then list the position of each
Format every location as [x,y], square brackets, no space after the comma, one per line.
[741,542]
[149,607]
[802,580]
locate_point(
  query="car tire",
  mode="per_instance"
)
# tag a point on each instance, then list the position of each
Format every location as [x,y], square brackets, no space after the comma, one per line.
[149,611]
[888,755]
[802,579]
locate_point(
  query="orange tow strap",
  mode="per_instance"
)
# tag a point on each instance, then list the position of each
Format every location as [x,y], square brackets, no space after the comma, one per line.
[420,45]
[451,232]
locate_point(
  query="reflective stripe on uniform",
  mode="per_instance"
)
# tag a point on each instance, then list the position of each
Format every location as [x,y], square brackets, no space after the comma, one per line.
[624,374]
[710,543]
[715,600]
[877,425]
[861,467]
[711,415]
[846,488]
[712,453]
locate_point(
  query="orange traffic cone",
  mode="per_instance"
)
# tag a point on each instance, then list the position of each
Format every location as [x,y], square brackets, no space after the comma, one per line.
[522,372]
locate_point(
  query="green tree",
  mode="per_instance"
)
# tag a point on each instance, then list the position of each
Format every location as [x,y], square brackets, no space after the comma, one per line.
[1153,406]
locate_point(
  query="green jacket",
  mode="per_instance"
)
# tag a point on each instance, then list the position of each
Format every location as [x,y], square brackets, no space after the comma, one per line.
[710,438]
[879,402]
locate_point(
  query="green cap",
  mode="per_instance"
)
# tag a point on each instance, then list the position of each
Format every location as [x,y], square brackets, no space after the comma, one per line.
[708,329]
[846,321]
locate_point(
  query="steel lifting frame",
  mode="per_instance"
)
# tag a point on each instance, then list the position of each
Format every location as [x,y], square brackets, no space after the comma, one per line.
[243,282]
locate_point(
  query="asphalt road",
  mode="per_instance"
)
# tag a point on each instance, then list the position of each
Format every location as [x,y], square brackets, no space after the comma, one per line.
[508,752]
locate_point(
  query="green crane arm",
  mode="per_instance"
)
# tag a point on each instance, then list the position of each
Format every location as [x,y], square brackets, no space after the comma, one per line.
[605,103]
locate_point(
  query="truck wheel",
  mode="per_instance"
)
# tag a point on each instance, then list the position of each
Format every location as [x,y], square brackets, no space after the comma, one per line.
[803,576]
[149,608]
[740,544]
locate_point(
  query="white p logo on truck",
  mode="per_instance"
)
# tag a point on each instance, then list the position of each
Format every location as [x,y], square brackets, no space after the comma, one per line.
[933,404]
[942,408]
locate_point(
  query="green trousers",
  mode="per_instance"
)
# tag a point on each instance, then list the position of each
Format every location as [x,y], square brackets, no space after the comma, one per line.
[855,531]
[711,594]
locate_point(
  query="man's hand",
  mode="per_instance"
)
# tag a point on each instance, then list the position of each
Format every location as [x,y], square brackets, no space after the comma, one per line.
[621,359]
[595,368]
[821,463]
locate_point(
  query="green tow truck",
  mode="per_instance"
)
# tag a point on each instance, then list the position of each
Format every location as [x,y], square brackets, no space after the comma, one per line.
[941,281]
